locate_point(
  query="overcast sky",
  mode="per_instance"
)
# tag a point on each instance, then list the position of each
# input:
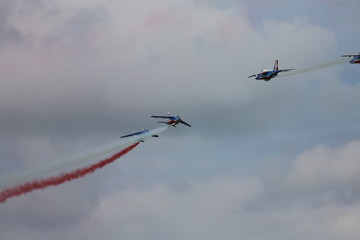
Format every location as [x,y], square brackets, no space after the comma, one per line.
[271,160]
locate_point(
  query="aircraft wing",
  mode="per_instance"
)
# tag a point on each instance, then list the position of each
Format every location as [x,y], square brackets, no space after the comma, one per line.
[135,133]
[286,70]
[252,75]
[167,117]
[129,135]
[185,123]
[351,55]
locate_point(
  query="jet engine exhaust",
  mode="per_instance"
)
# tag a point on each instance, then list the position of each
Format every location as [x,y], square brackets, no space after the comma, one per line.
[316,67]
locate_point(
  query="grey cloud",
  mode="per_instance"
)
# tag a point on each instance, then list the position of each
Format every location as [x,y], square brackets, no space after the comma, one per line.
[9,34]
[75,30]
[85,19]
[78,30]
[278,195]
[94,100]
[79,91]
[319,177]
[181,187]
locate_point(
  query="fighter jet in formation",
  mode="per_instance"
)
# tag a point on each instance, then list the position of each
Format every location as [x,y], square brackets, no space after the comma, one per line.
[172,120]
[355,58]
[268,74]
[138,133]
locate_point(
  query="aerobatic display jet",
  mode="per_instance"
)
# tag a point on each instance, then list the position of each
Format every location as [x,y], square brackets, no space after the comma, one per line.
[138,133]
[268,74]
[172,120]
[355,58]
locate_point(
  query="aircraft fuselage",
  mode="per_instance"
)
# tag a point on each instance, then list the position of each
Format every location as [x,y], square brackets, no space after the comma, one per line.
[266,75]
[355,60]
[173,122]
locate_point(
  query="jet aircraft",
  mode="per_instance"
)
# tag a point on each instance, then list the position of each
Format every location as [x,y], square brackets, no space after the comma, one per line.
[173,120]
[268,74]
[355,58]
[138,133]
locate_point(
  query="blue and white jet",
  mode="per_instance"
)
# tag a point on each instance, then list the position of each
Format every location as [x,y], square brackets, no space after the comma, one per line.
[268,74]
[137,134]
[355,58]
[172,120]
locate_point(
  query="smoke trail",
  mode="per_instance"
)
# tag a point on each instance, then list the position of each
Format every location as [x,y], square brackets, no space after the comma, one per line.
[316,67]
[50,167]
[66,177]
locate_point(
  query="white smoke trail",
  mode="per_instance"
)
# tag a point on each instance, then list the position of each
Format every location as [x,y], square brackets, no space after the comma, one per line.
[50,167]
[316,67]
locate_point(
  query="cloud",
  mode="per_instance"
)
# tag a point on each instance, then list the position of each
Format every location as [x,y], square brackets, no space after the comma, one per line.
[328,165]
[322,184]
[223,206]
[9,34]
[76,74]
[179,57]
[200,212]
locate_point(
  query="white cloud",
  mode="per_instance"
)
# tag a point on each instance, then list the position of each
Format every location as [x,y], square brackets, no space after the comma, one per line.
[206,210]
[88,70]
[328,165]
[198,53]
[233,207]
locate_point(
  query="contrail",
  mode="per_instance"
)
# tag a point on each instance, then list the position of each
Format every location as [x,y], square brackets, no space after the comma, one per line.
[48,168]
[66,177]
[28,181]
[316,67]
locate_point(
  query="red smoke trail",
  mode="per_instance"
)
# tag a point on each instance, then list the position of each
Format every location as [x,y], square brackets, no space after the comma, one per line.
[66,177]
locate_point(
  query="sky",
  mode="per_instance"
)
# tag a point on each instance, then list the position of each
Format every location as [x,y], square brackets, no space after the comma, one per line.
[263,160]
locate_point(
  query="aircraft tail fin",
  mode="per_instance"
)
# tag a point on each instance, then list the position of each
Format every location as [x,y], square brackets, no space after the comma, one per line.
[276,65]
